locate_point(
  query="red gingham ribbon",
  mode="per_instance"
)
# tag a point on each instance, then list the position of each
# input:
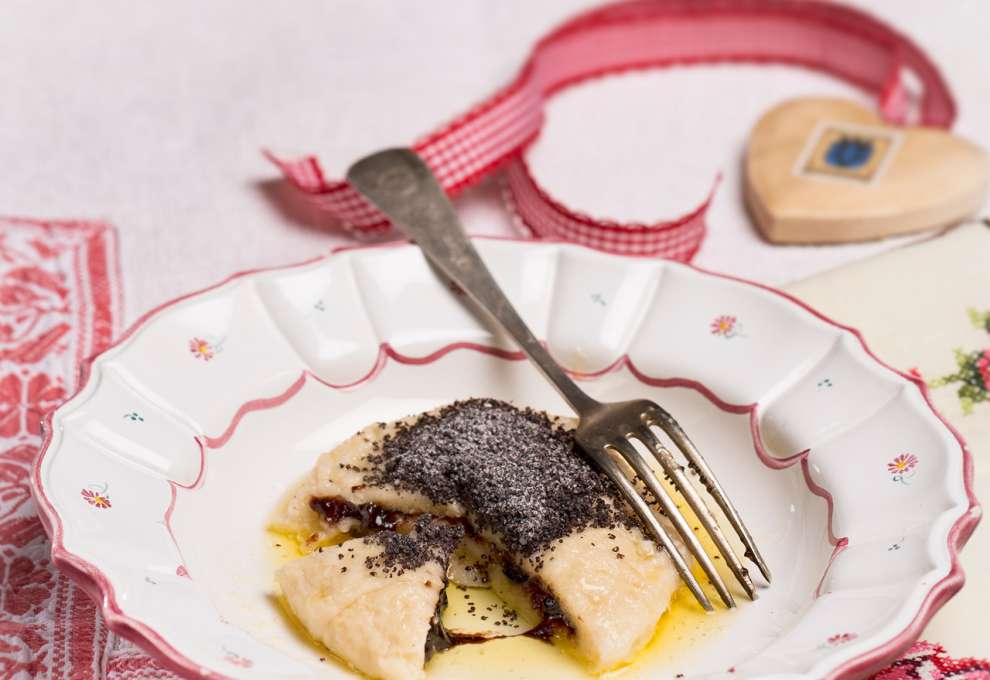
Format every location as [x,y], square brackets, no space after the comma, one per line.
[639,34]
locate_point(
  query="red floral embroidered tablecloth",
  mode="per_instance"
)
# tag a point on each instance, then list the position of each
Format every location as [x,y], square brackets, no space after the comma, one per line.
[60,297]
[59,303]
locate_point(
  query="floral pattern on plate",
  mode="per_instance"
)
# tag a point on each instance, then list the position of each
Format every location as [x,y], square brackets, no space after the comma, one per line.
[96,495]
[205,348]
[902,468]
[726,326]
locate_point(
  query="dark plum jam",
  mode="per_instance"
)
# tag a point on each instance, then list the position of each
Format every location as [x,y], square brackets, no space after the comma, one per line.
[371,517]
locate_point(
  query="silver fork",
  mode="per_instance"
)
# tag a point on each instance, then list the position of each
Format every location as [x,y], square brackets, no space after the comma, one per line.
[402,186]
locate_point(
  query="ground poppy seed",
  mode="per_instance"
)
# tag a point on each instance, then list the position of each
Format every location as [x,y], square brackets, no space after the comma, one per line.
[518,474]
[431,540]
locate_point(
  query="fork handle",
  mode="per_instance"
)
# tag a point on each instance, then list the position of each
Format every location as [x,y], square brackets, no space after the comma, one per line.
[402,186]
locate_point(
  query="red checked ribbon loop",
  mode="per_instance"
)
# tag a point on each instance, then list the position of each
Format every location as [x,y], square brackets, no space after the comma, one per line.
[641,34]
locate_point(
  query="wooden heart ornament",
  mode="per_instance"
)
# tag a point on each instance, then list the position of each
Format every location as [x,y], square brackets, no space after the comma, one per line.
[824,170]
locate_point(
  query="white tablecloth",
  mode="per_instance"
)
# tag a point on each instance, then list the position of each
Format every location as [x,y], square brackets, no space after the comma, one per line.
[151,115]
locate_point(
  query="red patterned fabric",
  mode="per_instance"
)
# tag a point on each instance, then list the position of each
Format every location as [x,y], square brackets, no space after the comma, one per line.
[637,34]
[59,303]
[925,661]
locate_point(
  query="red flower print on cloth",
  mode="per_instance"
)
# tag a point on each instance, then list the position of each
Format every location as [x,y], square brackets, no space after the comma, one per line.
[25,399]
[14,484]
[21,532]
[22,649]
[927,661]
[33,298]
[28,583]
[49,322]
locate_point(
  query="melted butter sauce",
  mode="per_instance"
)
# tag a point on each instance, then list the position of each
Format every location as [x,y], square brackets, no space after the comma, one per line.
[522,658]
[683,625]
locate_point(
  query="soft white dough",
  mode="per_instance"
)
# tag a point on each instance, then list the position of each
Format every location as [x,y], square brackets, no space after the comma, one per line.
[612,603]
[379,623]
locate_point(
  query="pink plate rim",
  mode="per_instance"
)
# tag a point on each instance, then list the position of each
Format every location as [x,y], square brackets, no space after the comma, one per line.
[95,583]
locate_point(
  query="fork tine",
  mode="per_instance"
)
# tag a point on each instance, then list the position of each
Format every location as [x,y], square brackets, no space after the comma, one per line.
[635,459]
[645,513]
[675,471]
[666,422]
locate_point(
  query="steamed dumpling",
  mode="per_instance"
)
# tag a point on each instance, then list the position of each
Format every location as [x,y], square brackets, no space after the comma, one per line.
[527,492]
[372,601]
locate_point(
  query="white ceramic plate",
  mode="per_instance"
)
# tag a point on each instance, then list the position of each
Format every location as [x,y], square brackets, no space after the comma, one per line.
[159,474]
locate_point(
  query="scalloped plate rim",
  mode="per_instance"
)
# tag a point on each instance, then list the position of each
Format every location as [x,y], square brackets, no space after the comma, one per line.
[97,586]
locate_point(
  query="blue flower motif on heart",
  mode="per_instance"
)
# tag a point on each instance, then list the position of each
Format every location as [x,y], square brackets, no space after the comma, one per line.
[849,152]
